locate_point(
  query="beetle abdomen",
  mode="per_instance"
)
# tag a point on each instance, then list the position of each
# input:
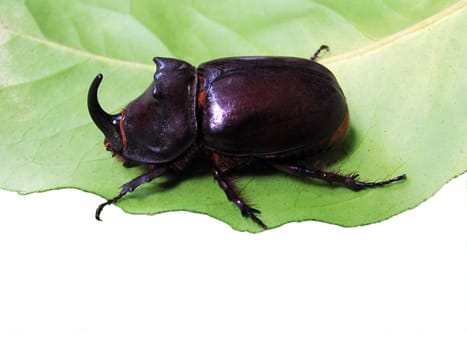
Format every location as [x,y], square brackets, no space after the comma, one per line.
[264,106]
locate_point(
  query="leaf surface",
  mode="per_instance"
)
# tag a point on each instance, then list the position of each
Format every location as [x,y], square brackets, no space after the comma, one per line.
[402,67]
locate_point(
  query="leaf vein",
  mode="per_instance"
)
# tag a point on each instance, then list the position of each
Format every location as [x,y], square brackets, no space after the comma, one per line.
[399,36]
[85,54]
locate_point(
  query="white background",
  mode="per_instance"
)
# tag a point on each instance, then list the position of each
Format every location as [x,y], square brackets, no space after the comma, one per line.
[186,281]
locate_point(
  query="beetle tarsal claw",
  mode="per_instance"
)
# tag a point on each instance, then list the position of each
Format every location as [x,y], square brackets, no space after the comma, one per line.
[99,210]
[109,202]
[250,212]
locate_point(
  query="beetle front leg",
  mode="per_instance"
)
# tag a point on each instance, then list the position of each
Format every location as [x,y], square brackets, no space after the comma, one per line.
[131,186]
[349,181]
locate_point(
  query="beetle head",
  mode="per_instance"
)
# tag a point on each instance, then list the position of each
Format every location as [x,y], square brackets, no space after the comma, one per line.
[160,124]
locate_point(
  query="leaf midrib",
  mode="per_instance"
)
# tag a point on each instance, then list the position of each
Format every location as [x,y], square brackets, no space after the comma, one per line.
[400,35]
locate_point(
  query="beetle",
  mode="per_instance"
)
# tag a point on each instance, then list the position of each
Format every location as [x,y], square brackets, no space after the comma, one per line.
[237,111]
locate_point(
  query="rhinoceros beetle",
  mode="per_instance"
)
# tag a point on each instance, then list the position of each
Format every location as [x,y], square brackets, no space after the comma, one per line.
[237,111]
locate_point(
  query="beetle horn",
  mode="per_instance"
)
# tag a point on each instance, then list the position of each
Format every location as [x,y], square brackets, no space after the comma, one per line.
[101,118]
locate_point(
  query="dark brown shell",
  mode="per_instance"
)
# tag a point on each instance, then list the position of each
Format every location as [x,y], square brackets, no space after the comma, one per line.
[269,106]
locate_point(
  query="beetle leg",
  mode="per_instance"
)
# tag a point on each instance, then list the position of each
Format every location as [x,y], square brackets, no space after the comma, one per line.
[349,181]
[131,186]
[227,183]
[317,52]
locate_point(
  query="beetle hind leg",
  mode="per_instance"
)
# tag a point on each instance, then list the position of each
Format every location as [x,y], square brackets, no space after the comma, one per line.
[318,52]
[349,181]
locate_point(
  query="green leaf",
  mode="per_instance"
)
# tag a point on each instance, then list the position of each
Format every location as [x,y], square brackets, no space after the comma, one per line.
[402,66]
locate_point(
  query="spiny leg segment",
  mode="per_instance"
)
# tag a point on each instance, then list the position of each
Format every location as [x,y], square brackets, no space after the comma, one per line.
[227,183]
[230,189]
[349,181]
[131,186]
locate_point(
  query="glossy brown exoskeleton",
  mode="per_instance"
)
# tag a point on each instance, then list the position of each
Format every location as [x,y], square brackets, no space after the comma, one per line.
[237,111]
